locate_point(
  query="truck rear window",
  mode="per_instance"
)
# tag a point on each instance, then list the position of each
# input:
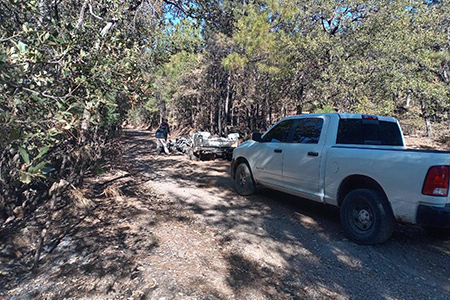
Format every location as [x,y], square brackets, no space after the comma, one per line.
[368,132]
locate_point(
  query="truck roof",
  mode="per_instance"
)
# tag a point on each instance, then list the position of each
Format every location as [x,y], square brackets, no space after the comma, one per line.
[349,116]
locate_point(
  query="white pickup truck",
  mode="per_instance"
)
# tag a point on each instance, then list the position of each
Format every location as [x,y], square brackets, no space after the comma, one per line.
[358,163]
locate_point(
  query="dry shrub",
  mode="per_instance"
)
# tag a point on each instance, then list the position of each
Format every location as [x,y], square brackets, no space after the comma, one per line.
[114,192]
[79,200]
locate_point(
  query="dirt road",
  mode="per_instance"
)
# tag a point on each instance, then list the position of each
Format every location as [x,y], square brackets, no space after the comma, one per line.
[171,228]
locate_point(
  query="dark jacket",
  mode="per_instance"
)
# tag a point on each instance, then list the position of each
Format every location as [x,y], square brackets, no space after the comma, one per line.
[165,127]
[162,131]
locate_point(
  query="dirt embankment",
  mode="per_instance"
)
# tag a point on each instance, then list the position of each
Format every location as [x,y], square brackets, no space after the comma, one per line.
[165,227]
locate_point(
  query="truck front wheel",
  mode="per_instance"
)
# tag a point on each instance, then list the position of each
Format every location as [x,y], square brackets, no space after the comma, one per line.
[244,182]
[366,217]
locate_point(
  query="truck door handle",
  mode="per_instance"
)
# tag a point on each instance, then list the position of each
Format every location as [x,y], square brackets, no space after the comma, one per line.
[313,153]
[277,150]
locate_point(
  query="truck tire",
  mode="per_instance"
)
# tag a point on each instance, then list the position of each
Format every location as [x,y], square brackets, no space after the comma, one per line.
[367,217]
[245,185]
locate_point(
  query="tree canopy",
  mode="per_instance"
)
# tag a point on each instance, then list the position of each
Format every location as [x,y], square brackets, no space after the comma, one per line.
[260,60]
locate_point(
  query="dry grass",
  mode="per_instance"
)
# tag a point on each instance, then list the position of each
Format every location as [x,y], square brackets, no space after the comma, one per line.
[79,200]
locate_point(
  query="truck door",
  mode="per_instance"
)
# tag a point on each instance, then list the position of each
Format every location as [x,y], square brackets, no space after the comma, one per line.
[302,157]
[269,154]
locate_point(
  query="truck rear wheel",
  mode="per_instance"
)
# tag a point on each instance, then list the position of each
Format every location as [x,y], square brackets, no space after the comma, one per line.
[366,217]
[245,185]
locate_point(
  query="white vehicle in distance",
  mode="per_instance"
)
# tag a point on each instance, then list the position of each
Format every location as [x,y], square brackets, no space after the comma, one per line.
[358,163]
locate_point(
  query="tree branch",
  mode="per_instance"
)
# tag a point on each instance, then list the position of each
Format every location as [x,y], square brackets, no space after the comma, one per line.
[9,38]
[81,17]
[92,13]
[104,32]
[178,6]
[47,95]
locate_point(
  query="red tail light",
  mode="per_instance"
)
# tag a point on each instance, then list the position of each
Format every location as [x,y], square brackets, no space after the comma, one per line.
[436,182]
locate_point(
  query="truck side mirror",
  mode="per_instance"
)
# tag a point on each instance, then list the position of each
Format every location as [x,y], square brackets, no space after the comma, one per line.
[256,136]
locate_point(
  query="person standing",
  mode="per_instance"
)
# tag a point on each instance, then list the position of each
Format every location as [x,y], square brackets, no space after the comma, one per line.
[161,136]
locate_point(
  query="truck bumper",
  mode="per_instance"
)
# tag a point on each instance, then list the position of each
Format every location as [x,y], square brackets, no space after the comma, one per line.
[433,216]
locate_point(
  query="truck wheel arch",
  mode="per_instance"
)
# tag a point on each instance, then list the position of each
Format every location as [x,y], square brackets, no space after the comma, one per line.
[236,163]
[354,182]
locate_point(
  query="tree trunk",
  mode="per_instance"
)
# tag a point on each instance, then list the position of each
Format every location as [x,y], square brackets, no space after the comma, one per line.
[198,114]
[85,123]
[299,106]
[42,12]
[227,103]
[219,118]
[162,107]
[55,192]
[267,113]
[426,118]
[212,107]
[211,116]
[408,98]
[232,116]
[270,117]
[429,128]
[81,16]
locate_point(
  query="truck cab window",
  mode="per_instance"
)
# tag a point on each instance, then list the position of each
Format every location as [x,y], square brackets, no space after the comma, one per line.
[279,133]
[358,132]
[308,131]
